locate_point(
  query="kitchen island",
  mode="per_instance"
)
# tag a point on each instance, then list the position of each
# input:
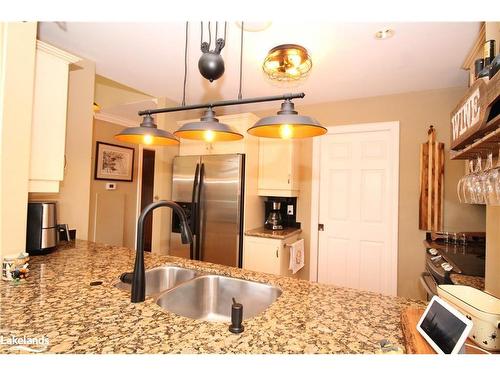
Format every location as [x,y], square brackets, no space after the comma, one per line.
[58,302]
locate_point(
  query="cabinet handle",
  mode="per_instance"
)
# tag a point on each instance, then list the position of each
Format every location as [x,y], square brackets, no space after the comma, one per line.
[277,252]
[289,179]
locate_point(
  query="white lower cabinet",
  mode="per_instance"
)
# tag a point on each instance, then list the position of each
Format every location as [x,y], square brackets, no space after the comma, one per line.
[268,255]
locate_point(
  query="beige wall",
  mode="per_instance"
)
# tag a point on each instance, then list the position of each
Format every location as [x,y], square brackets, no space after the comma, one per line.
[163,179]
[492,273]
[17,69]
[104,132]
[109,93]
[492,31]
[415,111]
[74,193]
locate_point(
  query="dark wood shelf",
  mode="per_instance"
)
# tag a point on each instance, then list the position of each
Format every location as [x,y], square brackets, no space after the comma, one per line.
[483,145]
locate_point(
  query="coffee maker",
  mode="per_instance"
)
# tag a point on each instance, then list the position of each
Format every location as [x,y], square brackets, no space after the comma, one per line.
[274,220]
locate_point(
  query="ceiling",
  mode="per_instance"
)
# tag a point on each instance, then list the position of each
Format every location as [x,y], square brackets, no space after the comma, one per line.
[348,62]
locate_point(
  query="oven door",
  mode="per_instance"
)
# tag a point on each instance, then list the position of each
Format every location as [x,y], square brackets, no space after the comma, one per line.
[429,284]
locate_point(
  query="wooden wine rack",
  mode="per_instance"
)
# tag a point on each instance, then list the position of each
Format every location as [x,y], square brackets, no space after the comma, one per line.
[484,145]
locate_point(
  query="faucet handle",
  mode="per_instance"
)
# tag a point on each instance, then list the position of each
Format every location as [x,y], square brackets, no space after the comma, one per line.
[236,317]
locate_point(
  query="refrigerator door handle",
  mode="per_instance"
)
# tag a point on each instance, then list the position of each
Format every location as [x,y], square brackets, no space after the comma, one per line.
[192,222]
[198,213]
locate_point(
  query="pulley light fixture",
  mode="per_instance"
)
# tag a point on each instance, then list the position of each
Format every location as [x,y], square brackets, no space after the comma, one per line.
[211,63]
[209,129]
[287,123]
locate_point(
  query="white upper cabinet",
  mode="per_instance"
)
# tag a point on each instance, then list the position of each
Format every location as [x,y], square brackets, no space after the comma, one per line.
[48,129]
[278,167]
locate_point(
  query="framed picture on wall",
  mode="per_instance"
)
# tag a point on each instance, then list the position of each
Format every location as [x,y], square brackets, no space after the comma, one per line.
[113,162]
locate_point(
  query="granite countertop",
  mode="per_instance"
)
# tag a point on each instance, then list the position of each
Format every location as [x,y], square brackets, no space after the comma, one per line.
[473,281]
[58,303]
[268,233]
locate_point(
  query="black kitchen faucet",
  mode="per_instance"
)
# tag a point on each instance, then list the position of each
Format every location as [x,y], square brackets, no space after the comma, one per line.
[139,276]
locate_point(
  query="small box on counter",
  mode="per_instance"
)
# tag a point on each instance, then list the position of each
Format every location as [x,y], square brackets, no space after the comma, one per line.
[15,267]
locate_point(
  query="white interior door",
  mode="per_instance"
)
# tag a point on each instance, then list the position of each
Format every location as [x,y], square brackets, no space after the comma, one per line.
[358,203]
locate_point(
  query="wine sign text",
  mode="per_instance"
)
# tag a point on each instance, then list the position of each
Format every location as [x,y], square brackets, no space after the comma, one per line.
[468,118]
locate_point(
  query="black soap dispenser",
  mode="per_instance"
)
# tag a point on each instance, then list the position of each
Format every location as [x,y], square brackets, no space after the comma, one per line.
[236,317]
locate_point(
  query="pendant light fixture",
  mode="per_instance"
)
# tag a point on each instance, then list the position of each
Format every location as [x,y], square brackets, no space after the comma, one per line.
[287,62]
[211,63]
[147,134]
[208,129]
[286,124]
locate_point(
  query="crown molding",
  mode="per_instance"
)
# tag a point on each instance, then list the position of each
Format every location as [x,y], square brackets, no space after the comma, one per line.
[63,55]
[115,119]
[476,49]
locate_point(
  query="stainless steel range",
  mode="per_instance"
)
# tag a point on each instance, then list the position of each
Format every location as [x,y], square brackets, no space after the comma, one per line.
[459,253]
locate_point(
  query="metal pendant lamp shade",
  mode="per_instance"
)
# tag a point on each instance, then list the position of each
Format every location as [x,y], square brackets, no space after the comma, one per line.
[287,123]
[208,129]
[147,134]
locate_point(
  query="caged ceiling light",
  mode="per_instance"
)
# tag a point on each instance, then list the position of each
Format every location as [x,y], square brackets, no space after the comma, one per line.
[287,62]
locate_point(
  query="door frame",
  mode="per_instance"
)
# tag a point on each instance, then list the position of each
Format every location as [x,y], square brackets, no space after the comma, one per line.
[139,185]
[393,128]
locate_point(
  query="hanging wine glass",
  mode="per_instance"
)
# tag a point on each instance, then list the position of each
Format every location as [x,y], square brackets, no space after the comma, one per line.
[487,187]
[461,183]
[467,185]
[493,184]
[476,181]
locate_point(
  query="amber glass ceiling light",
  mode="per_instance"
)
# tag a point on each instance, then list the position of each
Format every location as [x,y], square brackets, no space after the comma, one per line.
[208,129]
[287,62]
[147,134]
[287,123]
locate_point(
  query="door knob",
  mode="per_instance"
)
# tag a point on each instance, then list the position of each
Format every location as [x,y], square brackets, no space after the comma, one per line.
[156,197]
[321,227]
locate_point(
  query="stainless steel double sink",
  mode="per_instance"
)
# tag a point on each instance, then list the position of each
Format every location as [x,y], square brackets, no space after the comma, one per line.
[196,295]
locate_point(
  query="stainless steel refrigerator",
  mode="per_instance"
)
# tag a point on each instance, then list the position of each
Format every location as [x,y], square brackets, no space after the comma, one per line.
[210,190]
